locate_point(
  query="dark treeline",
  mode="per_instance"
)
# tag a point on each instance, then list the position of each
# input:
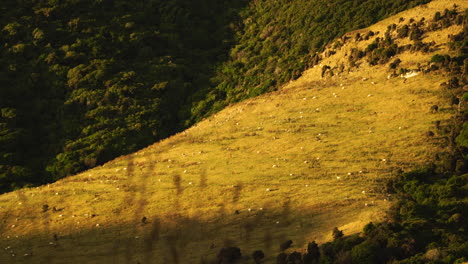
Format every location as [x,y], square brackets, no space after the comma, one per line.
[82,82]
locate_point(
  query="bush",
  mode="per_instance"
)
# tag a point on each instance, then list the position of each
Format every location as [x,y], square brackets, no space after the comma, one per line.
[336,233]
[364,253]
[437,58]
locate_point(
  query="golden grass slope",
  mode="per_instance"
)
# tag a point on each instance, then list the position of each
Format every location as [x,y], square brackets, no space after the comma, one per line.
[291,164]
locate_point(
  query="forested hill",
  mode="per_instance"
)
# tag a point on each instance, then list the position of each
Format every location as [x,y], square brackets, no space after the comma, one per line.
[82,82]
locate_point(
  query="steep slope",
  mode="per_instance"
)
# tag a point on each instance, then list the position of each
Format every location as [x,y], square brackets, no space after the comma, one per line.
[107,78]
[291,164]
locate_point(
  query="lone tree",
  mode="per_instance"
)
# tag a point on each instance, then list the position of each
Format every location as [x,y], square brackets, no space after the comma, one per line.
[336,233]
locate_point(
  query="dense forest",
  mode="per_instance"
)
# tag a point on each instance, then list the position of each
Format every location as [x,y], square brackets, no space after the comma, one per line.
[82,82]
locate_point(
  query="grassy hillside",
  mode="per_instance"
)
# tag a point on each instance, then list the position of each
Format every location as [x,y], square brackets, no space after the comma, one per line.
[84,82]
[291,164]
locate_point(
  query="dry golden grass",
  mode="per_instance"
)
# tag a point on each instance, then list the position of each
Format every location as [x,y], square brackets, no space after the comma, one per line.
[302,160]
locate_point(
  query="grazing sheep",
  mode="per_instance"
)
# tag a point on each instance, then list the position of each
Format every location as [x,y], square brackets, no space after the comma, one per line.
[285,245]
[434,108]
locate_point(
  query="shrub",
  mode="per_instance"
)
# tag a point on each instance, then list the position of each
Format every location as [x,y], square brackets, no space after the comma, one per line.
[403,31]
[437,58]
[364,253]
[229,255]
[336,233]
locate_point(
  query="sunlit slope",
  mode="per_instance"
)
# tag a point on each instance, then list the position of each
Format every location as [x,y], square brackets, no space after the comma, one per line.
[292,164]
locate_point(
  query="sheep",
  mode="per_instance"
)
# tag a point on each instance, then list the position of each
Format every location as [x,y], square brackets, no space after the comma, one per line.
[434,108]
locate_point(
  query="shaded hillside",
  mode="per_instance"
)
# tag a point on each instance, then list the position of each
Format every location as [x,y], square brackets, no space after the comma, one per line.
[290,164]
[86,81]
